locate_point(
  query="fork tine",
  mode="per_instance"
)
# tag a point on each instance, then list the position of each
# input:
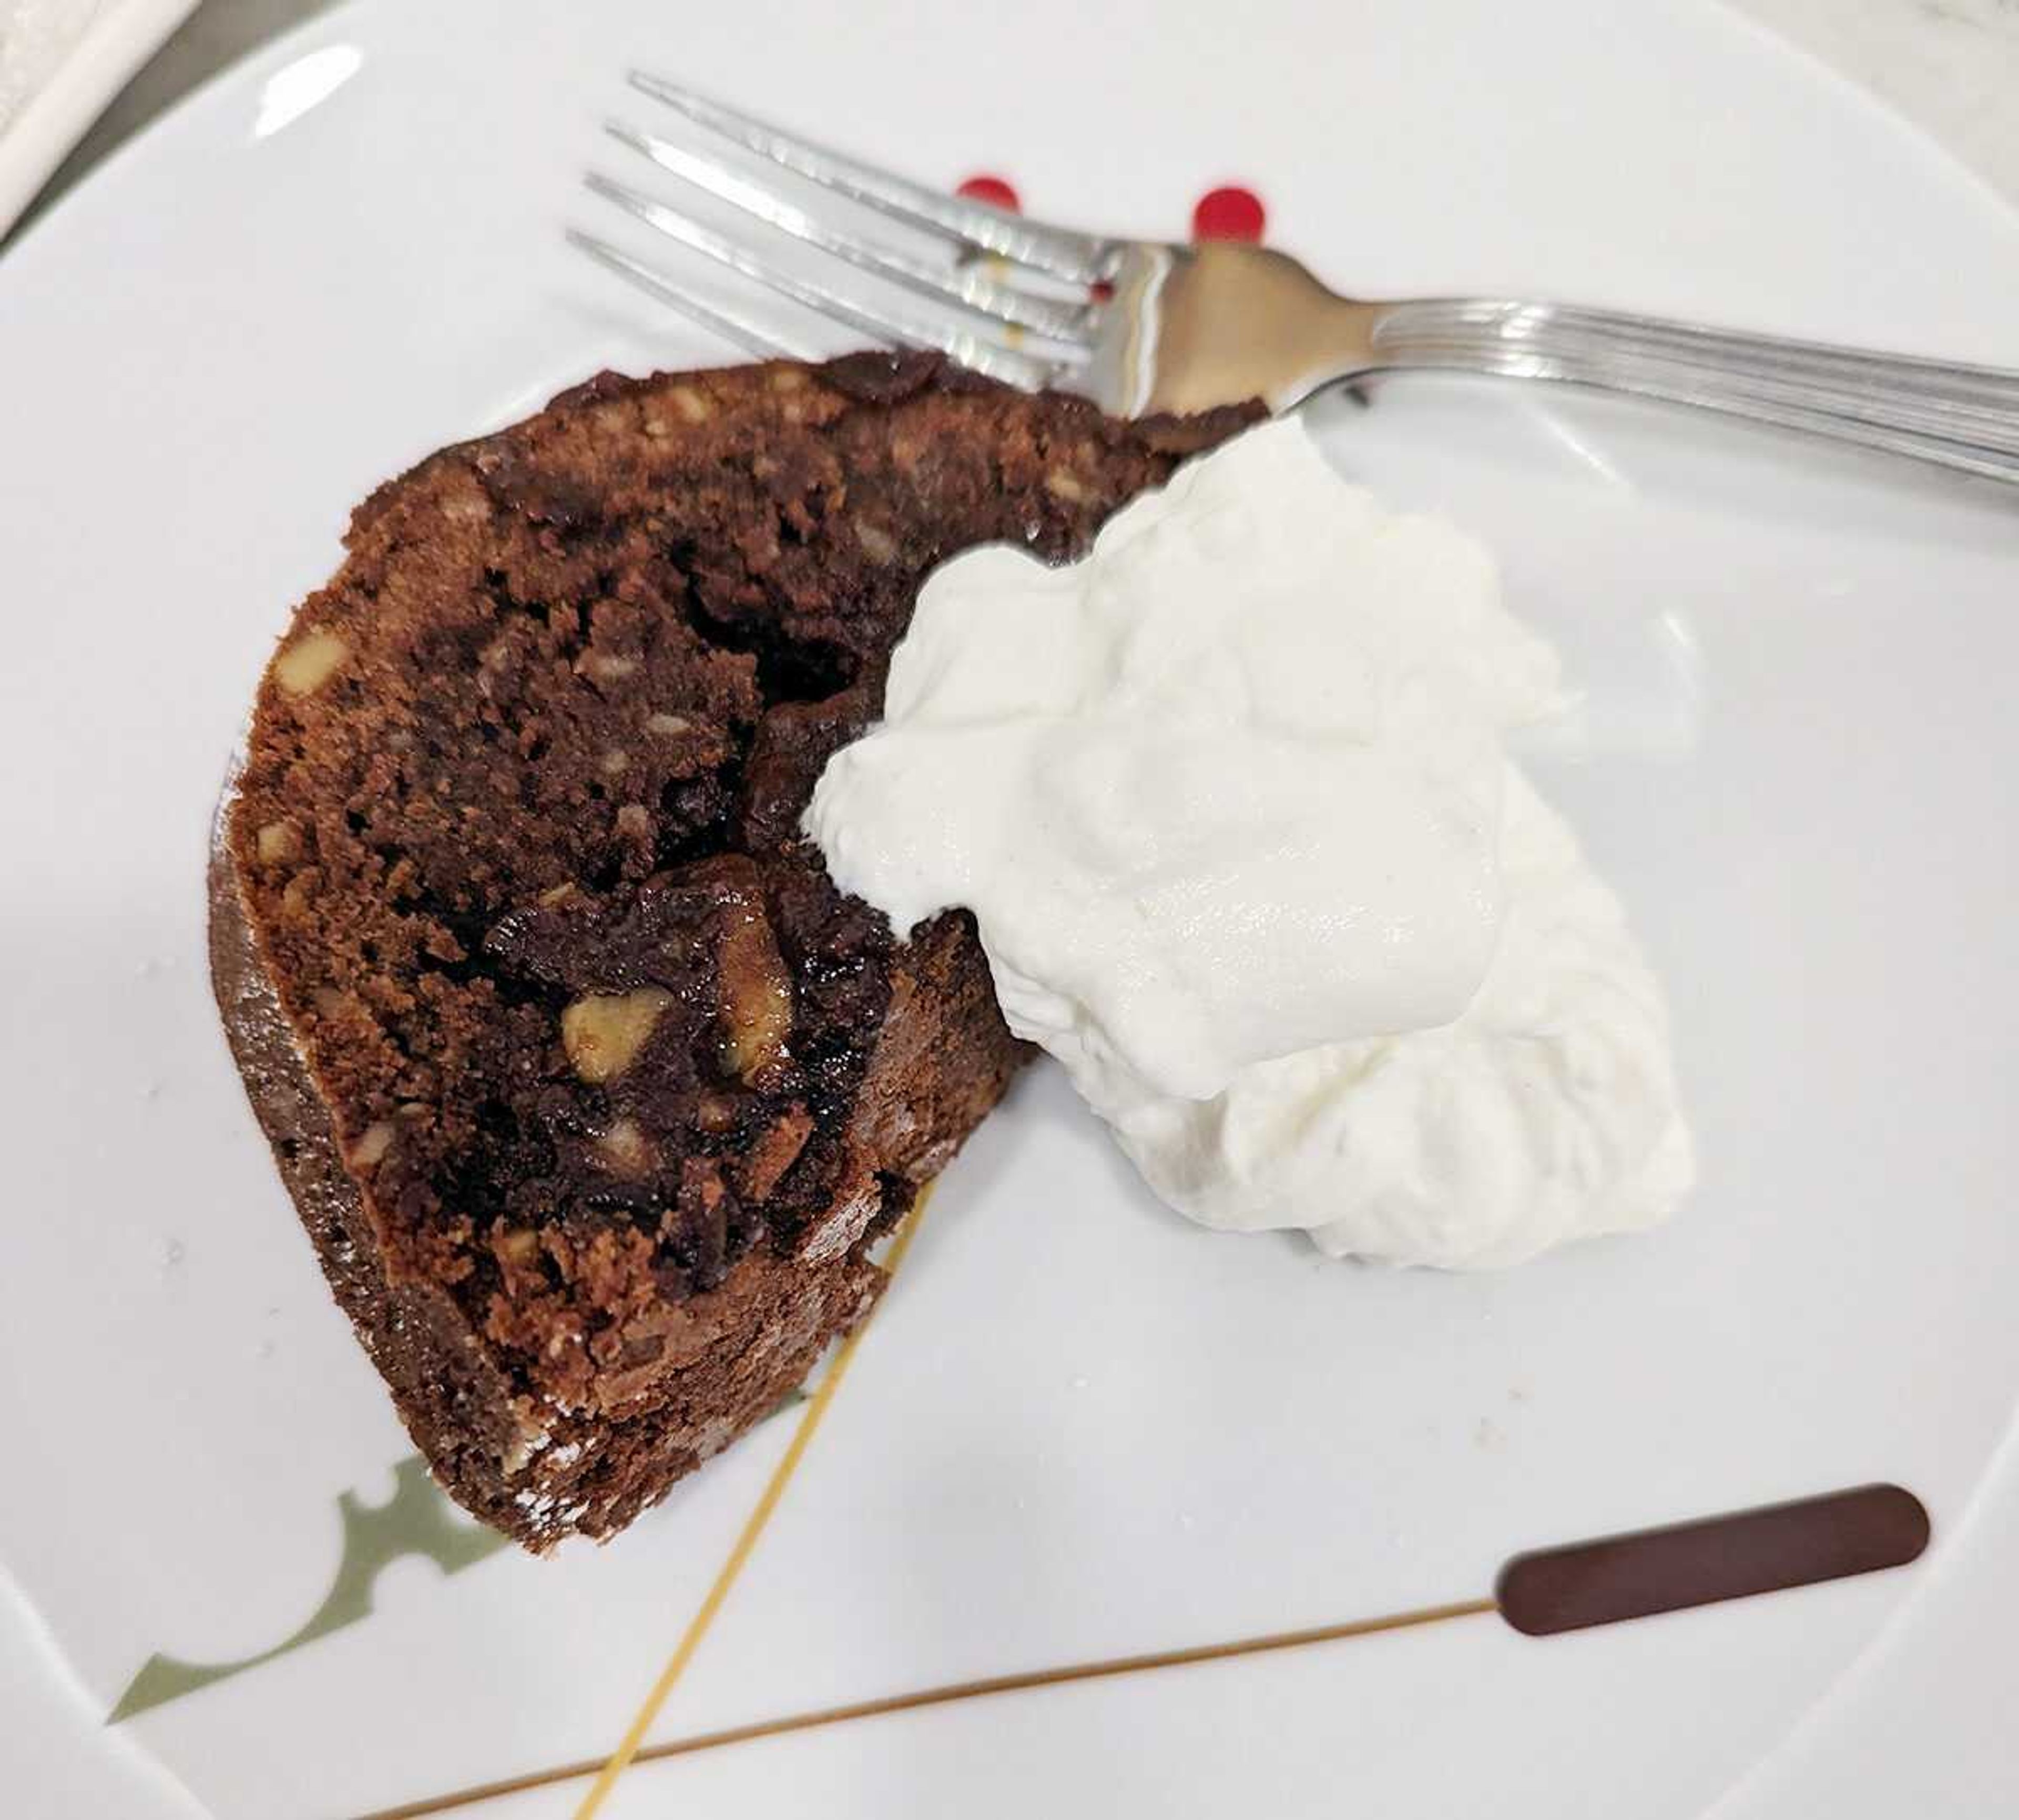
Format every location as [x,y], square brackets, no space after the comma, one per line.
[1082,258]
[982,353]
[972,289]
[746,334]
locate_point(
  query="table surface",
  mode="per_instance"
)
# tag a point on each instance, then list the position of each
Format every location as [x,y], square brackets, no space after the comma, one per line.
[1950,65]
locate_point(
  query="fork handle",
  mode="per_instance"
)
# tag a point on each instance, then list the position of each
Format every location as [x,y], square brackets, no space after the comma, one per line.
[1956,416]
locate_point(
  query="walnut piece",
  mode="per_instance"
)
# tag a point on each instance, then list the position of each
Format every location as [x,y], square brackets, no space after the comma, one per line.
[605,666]
[691,404]
[375,1141]
[624,1150]
[310,662]
[756,998]
[278,843]
[1062,484]
[518,1244]
[877,543]
[603,1032]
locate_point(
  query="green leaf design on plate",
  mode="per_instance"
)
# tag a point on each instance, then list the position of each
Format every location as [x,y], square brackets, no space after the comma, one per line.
[418,1520]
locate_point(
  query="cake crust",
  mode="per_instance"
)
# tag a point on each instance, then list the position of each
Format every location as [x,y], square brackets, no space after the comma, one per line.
[590,1088]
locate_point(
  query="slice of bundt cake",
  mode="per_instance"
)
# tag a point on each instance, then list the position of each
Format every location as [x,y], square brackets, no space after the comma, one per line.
[591,1089]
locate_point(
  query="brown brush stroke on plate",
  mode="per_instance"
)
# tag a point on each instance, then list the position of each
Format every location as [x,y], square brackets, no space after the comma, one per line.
[1714,1558]
[1547,1590]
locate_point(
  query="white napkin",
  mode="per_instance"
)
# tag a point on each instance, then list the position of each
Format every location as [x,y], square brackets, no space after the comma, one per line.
[35,37]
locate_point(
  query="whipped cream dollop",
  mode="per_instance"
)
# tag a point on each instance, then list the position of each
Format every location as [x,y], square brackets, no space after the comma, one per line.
[1229,801]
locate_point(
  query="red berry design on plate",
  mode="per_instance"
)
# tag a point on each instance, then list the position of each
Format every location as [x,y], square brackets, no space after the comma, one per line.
[996,192]
[1231,212]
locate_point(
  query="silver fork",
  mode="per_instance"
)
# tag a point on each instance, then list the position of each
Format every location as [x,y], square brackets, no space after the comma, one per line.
[1143,326]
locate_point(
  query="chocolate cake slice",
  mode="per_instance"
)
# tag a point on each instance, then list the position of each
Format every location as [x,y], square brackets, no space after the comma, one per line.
[591,1089]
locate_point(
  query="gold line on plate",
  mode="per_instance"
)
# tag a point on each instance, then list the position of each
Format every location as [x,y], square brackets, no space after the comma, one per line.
[621,1759]
[944,1696]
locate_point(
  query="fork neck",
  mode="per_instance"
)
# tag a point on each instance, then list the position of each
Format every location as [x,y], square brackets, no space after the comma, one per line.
[1234,322]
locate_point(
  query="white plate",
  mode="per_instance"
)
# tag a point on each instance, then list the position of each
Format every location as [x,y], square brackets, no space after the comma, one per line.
[117,42]
[1078,1429]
